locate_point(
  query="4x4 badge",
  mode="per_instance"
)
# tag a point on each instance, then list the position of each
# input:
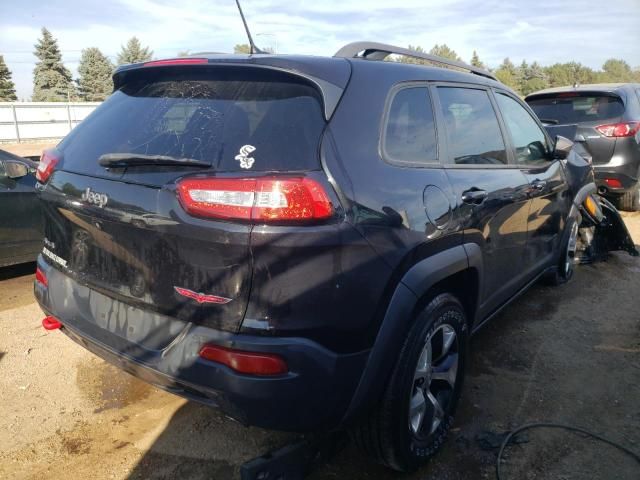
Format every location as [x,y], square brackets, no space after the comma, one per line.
[243,156]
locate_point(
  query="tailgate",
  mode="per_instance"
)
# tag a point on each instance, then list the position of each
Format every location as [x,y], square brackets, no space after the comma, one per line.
[141,247]
[586,110]
[121,230]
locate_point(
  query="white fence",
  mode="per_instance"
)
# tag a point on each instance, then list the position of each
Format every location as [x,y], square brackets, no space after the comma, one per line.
[28,121]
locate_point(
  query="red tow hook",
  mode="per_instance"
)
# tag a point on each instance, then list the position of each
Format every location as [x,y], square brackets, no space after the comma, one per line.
[51,323]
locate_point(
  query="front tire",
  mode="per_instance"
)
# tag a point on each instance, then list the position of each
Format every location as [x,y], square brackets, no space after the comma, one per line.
[566,262]
[412,420]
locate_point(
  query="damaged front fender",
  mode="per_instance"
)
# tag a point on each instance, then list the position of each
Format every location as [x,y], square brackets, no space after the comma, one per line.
[602,230]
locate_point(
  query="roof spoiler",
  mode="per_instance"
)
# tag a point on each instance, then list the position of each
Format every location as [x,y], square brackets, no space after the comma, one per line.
[380,51]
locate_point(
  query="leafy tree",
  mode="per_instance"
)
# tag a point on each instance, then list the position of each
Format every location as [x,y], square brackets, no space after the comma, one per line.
[134,52]
[476,62]
[508,74]
[51,79]
[95,70]
[242,48]
[571,73]
[615,70]
[7,87]
[444,51]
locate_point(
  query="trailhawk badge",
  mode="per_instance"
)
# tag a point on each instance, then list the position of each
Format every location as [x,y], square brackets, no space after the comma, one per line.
[99,199]
[243,156]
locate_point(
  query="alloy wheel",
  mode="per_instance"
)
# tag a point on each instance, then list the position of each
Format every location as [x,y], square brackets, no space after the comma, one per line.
[434,381]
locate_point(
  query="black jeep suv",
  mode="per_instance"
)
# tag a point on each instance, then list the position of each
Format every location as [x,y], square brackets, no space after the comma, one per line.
[306,243]
[606,121]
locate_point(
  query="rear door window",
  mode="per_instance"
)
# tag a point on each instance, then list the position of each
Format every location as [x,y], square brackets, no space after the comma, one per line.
[219,116]
[528,139]
[473,132]
[410,133]
[568,108]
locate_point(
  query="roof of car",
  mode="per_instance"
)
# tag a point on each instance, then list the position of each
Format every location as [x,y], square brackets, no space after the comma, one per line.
[331,69]
[595,87]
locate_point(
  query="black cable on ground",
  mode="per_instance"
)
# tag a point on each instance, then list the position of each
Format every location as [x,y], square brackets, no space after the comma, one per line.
[529,426]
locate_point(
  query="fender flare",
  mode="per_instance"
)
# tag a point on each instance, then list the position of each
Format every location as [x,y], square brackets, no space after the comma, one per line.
[399,315]
[579,198]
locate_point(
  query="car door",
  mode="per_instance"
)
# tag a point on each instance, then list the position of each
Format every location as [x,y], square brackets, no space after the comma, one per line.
[491,194]
[20,216]
[548,191]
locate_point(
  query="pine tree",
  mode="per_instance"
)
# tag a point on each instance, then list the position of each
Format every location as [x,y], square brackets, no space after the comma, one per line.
[51,79]
[7,87]
[507,73]
[445,52]
[475,60]
[94,84]
[133,52]
[534,79]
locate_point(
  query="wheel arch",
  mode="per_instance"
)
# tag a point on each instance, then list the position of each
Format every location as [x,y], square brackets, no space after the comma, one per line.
[457,270]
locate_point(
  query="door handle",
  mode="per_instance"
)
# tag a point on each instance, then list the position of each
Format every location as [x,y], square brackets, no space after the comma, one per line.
[538,185]
[474,196]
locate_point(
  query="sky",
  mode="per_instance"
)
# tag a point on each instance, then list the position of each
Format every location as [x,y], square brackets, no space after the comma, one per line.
[545,30]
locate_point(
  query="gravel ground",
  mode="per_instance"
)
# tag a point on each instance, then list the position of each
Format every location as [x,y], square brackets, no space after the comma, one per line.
[569,354]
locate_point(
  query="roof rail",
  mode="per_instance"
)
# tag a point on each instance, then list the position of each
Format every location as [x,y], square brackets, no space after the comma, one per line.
[380,51]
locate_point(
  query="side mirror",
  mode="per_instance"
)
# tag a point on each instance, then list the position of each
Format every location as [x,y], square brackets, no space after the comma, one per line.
[562,147]
[15,170]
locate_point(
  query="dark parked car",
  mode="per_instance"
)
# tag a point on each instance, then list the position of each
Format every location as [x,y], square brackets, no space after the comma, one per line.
[607,125]
[306,243]
[20,212]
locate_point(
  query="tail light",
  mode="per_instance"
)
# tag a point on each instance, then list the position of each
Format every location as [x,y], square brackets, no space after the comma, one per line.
[48,162]
[41,277]
[266,199]
[613,182]
[251,363]
[625,129]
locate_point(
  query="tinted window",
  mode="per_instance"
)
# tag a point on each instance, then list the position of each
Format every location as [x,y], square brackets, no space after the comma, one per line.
[528,139]
[473,131]
[205,115]
[410,134]
[573,108]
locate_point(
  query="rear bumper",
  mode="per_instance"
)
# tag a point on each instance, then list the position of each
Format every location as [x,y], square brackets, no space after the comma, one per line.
[314,395]
[623,166]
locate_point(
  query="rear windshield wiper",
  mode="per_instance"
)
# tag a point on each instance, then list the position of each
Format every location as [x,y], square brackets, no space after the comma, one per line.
[138,159]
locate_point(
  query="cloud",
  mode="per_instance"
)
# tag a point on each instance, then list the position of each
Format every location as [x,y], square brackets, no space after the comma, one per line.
[549,32]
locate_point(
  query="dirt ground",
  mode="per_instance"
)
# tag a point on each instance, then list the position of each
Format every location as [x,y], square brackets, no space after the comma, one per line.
[568,354]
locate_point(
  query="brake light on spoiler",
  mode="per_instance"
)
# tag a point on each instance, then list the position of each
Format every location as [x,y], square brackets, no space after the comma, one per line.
[268,199]
[175,61]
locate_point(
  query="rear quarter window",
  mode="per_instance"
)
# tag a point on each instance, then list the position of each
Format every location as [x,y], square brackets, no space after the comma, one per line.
[409,135]
[208,115]
[568,108]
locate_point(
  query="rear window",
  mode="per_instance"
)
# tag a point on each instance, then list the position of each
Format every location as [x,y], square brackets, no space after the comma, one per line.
[234,119]
[577,109]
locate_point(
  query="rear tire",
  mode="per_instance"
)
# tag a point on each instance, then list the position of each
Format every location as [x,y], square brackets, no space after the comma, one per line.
[411,421]
[629,201]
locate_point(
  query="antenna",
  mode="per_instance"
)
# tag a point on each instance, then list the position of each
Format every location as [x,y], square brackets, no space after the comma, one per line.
[252,46]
